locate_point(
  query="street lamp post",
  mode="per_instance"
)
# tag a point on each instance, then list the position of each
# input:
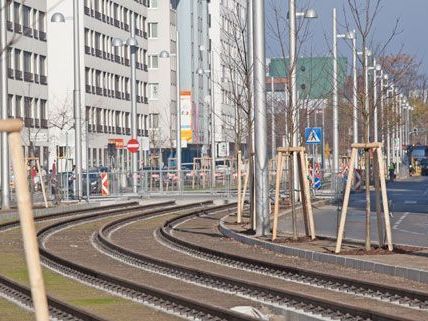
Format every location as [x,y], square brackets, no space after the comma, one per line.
[166,54]
[132,43]
[210,72]
[5,205]
[351,35]
[309,14]
[375,69]
[59,18]
[260,124]
[387,114]
[272,91]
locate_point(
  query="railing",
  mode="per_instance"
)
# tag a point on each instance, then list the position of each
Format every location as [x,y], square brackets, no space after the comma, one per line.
[42,35]
[28,76]
[43,80]
[27,31]
[18,74]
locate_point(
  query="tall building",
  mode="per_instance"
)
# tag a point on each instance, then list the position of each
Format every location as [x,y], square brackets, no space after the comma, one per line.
[228,47]
[105,82]
[162,89]
[27,72]
[193,27]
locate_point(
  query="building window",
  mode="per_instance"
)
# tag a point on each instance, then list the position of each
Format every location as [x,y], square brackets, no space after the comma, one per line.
[154,91]
[153,61]
[153,30]
[153,4]
[27,61]
[43,109]
[18,100]
[42,17]
[42,67]
[26,16]
[17,59]
[9,106]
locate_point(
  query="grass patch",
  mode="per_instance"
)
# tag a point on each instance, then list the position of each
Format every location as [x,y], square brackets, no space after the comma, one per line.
[95,301]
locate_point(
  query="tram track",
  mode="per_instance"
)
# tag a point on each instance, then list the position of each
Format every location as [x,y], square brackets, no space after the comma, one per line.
[413,299]
[193,309]
[149,296]
[59,310]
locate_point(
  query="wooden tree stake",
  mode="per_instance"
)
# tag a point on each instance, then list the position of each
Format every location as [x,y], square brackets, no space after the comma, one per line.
[28,228]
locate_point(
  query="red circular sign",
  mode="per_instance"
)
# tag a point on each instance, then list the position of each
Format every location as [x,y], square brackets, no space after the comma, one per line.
[133,145]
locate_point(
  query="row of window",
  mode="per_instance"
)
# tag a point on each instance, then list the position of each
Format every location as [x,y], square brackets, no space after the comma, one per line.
[32,110]
[25,20]
[100,45]
[107,84]
[27,66]
[117,15]
[101,120]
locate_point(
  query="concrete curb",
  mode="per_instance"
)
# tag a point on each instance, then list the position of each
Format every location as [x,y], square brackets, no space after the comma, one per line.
[399,271]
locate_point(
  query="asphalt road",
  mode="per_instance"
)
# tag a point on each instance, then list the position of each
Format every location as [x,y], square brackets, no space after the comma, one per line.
[409,210]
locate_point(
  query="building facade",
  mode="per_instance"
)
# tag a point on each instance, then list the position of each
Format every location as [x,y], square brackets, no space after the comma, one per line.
[27,73]
[105,82]
[193,28]
[162,79]
[228,47]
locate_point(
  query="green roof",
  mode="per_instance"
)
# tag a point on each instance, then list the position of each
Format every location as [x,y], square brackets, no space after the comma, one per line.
[314,75]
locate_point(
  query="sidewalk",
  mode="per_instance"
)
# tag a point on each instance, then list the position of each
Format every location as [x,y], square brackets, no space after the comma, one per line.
[413,265]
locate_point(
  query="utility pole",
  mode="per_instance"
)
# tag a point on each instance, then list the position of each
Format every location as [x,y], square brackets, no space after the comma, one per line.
[250,58]
[293,98]
[5,193]
[133,45]
[77,101]
[260,128]
[335,106]
[272,91]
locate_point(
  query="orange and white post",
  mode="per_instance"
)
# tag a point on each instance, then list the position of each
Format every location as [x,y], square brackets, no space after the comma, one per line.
[104,184]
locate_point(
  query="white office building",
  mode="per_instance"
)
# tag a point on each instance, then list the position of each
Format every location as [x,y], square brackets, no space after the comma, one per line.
[105,82]
[228,21]
[27,72]
[162,89]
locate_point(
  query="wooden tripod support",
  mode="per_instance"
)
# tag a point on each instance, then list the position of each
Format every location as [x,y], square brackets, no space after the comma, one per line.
[305,191]
[377,147]
[13,127]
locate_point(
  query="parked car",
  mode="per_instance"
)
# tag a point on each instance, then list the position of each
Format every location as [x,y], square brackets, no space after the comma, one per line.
[424,167]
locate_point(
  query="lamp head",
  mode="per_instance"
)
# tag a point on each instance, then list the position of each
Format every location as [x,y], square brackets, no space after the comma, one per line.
[116,42]
[164,54]
[350,35]
[378,67]
[311,14]
[58,17]
[132,42]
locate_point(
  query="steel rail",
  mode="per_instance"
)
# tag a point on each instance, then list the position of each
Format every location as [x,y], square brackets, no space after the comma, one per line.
[416,298]
[57,309]
[188,308]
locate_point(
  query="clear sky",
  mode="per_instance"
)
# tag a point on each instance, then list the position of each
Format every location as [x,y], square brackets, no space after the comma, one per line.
[413,16]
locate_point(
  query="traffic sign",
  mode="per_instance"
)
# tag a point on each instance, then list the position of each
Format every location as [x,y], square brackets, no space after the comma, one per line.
[313,135]
[133,145]
[316,183]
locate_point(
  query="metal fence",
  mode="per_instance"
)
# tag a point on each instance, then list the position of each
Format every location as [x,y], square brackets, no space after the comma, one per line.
[153,182]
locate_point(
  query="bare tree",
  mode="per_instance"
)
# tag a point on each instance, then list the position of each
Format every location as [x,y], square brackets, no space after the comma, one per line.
[297,115]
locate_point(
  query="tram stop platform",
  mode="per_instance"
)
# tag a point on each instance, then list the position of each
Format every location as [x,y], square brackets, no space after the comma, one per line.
[405,261]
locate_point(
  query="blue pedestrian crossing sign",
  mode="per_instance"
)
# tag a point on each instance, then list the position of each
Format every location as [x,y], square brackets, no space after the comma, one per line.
[313,135]
[316,183]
